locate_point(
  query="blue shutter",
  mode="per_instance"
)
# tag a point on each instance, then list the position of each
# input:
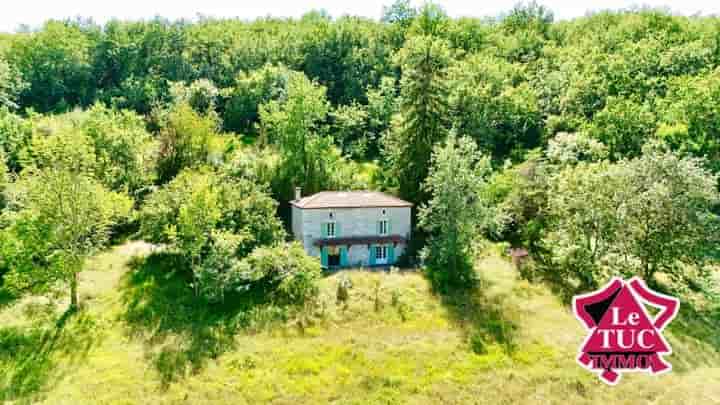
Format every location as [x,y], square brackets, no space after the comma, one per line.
[389,227]
[377,227]
[323,256]
[323,230]
[343,256]
[371,255]
[391,254]
[337,229]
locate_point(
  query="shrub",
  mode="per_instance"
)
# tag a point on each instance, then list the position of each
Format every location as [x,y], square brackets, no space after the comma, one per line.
[285,270]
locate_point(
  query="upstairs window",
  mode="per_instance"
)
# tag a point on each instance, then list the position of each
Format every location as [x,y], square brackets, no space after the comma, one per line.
[330,229]
[383,227]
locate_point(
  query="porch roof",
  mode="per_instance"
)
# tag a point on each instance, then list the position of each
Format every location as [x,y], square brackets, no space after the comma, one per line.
[359,240]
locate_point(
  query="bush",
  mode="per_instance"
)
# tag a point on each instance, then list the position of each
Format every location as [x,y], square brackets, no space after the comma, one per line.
[285,270]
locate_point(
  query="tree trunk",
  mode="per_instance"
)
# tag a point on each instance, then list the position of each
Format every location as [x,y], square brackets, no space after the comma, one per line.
[74,291]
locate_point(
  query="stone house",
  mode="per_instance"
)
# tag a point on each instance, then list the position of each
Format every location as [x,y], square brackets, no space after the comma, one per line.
[352,228]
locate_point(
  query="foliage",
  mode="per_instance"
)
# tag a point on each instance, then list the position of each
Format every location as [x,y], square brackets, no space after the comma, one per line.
[11,84]
[61,216]
[15,135]
[250,91]
[624,126]
[201,95]
[308,158]
[643,216]
[571,148]
[56,64]
[492,104]
[456,212]
[423,119]
[125,151]
[210,219]
[286,270]
[185,137]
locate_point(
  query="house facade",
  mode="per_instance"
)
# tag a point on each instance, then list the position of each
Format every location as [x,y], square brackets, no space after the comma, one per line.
[352,228]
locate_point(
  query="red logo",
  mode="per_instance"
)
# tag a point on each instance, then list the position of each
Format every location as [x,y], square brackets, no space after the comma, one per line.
[622,335]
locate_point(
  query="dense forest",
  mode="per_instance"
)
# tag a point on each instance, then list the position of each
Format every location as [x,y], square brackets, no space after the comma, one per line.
[593,143]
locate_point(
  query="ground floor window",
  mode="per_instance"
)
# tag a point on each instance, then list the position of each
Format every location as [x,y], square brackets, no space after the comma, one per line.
[380,252]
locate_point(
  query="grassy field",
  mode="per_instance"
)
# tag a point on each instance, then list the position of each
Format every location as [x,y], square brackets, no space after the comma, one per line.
[141,338]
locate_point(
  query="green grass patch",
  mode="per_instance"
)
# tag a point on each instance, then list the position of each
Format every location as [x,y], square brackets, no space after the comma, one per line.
[142,337]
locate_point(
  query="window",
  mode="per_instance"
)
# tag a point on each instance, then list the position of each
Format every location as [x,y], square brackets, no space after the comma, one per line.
[330,229]
[380,252]
[383,227]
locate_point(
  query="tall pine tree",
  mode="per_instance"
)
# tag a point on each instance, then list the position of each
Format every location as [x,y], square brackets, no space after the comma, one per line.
[423,120]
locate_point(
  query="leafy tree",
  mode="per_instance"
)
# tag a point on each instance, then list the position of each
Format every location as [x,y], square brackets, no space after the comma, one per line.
[4,180]
[56,64]
[62,216]
[399,12]
[349,128]
[201,95]
[491,104]
[201,215]
[691,116]
[125,151]
[624,126]
[456,212]
[643,216]
[251,90]
[423,119]
[567,149]
[11,84]
[284,269]
[294,124]
[431,20]
[15,136]
[185,138]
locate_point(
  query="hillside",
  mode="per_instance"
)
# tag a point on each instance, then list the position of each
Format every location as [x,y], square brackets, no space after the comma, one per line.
[141,339]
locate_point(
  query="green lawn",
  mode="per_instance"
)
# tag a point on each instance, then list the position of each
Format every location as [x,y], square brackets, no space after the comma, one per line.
[142,338]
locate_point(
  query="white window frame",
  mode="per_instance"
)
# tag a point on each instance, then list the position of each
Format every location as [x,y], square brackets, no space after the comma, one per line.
[381,253]
[384,225]
[333,227]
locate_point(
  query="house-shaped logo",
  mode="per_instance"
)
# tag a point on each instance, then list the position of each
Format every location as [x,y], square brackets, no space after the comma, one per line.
[622,335]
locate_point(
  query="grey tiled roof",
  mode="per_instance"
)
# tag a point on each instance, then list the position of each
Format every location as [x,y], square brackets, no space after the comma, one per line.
[349,199]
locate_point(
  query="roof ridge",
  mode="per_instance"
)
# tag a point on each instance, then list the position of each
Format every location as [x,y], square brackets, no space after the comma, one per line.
[350,199]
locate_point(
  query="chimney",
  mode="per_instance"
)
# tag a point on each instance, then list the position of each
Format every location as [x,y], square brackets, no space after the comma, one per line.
[298,193]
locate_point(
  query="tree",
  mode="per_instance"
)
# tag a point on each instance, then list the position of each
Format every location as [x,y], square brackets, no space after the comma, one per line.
[204,216]
[251,90]
[284,269]
[294,124]
[400,12]
[15,136]
[624,126]
[456,212]
[491,103]
[56,64]
[62,216]
[4,180]
[11,84]
[125,151]
[636,217]
[185,138]
[201,95]
[423,119]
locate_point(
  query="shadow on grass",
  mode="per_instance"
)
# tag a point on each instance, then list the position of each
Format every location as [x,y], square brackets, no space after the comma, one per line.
[31,357]
[180,331]
[484,319]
